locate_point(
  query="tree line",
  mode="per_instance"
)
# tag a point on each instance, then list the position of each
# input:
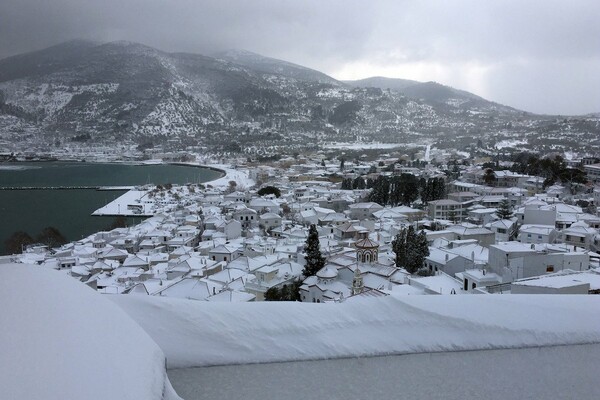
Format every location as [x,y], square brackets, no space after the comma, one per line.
[552,169]
[405,189]
[49,236]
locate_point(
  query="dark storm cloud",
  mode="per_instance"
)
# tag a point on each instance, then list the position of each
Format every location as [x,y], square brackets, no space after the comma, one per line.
[537,55]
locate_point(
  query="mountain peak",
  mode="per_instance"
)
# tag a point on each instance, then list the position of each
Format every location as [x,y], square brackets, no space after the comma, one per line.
[274,66]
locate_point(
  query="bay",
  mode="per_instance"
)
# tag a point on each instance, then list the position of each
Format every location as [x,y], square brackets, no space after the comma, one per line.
[70,210]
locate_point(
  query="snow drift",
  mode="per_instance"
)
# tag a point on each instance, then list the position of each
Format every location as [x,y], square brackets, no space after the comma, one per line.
[61,340]
[194,333]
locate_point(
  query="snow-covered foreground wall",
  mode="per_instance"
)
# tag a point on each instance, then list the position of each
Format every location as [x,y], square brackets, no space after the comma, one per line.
[61,340]
[194,333]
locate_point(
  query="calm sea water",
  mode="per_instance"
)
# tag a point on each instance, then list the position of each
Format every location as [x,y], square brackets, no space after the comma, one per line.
[69,210]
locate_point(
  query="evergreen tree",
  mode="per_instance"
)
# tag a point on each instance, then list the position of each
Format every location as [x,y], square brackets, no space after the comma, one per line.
[347,184]
[504,210]
[489,176]
[425,190]
[410,188]
[421,251]
[314,260]
[410,248]
[380,192]
[358,183]
[269,190]
[395,191]
[399,248]
[439,190]
[273,294]
[288,292]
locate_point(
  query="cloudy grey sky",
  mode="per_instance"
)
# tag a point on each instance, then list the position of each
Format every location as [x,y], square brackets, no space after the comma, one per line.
[540,56]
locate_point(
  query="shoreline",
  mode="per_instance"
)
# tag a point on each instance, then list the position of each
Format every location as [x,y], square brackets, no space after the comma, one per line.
[13,165]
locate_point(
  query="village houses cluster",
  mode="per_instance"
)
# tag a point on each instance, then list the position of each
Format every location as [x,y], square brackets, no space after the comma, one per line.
[229,243]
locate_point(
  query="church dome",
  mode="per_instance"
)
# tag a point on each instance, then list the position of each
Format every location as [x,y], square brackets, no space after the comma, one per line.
[364,242]
[327,273]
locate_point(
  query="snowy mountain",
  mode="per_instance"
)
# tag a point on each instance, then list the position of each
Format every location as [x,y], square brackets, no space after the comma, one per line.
[429,91]
[273,66]
[234,101]
[383,83]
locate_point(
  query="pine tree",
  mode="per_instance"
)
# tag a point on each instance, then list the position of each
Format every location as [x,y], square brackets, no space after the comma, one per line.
[421,250]
[411,249]
[381,190]
[314,260]
[425,190]
[273,294]
[347,184]
[504,210]
[395,191]
[409,188]
[489,177]
[288,292]
[359,183]
[439,191]
[399,248]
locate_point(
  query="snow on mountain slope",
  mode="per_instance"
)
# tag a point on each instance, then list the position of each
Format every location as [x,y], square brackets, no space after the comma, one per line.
[193,333]
[61,340]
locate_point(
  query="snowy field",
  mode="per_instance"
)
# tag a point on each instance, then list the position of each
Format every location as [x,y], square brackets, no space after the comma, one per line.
[196,333]
[562,372]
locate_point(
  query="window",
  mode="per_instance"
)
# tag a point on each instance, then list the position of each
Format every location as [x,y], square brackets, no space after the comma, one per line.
[550,268]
